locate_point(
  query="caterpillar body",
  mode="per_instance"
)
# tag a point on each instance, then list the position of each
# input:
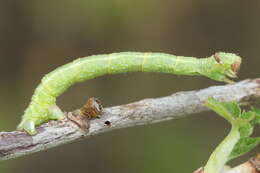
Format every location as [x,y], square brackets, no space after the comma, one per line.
[42,107]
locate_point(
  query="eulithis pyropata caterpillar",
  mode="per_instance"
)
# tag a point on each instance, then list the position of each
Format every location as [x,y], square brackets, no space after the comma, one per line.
[220,67]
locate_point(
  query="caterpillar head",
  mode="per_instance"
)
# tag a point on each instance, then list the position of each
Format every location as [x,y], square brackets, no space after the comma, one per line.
[224,66]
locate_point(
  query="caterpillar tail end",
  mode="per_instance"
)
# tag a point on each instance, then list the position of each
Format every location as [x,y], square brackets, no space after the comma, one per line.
[28,126]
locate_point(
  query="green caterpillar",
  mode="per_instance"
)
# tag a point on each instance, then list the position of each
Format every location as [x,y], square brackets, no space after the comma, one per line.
[43,107]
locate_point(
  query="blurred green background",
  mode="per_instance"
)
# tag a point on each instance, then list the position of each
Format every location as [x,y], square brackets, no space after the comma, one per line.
[38,36]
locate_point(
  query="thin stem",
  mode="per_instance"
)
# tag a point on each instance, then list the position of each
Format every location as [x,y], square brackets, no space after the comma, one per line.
[220,155]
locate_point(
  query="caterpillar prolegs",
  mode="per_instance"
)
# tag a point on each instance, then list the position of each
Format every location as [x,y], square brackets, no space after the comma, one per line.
[220,67]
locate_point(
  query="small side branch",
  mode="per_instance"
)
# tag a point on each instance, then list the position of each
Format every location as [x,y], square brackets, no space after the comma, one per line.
[147,111]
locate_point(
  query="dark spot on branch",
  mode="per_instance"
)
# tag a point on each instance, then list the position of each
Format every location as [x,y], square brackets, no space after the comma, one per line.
[108,123]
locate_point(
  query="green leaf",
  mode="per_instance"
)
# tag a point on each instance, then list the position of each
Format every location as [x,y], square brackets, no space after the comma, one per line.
[256,110]
[222,109]
[246,130]
[250,115]
[256,120]
[233,108]
[243,146]
[238,141]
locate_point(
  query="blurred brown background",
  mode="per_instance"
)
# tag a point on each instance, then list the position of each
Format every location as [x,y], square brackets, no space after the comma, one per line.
[38,36]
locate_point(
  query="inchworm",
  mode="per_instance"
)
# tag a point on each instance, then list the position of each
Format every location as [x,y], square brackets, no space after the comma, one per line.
[43,107]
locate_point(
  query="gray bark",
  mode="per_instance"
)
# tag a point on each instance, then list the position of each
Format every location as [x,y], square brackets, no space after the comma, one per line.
[147,111]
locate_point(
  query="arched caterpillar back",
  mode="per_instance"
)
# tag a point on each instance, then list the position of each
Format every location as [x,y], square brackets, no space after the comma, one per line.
[43,107]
